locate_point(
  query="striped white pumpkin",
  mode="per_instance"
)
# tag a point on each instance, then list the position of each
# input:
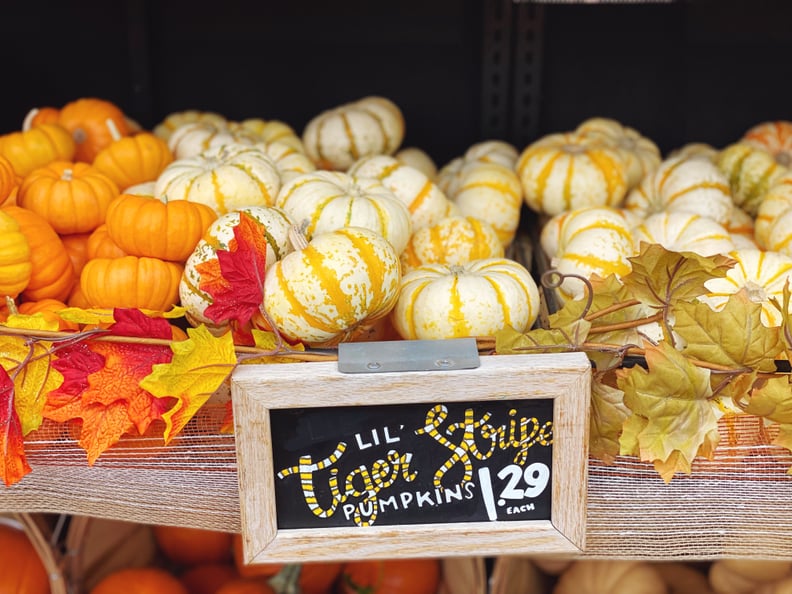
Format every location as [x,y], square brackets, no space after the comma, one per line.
[492,193]
[275,225]
[418,159]
[192,139]
[684,232]
[424,199]
[695,150]
[751,172]
[438,301]
[497,152]
[289,161]
[343,279]
[764,274]
[774,137]
[779,236]
[179,118]
[566,171]
[559,230]
[141,189]
[688,185]
[777,199]
[269,131]
[324,201]
[338,137]
[454,240]
[225,178]
[642,156]
[742,229]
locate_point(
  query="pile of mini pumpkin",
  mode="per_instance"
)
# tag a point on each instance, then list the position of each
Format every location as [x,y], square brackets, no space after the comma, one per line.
[363,238]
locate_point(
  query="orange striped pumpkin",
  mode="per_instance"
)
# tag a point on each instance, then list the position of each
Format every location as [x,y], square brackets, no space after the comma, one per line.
[684,232]
[336,138]
[34,148]
[566,171]
[324,201]
[341,280]
[774,137]
[479,298]
[8,179]
[559,230]
[751,172]
[777,199]
[454,240]
[225,178]
[419,159]
[742,229]
[687,184]
[763,273]
[424,199]
[101,245]
[779,236]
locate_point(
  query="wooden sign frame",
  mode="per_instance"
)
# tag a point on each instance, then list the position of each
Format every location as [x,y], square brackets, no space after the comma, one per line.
[257,389]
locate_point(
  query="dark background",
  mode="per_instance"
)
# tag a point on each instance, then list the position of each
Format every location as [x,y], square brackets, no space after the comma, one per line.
[462,71]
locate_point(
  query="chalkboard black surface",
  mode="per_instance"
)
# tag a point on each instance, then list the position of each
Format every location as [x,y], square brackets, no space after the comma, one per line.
[413,463]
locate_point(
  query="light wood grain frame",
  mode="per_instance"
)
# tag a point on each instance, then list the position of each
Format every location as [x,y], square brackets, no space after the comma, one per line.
[258,389]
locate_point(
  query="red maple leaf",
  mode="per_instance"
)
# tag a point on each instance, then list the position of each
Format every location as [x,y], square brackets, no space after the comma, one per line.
[238,291]
[133,322]
[14,463]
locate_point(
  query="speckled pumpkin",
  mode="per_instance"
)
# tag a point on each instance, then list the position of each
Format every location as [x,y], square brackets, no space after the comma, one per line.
[195,138]
[751,172]
[566,171]
[438,301]
[341,280]
[775,137]
[684,232]
[225,178]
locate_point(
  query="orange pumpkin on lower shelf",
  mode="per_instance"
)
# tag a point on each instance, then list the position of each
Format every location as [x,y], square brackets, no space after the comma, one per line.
[139,580]
[22,570]
[391,576]
[192,546]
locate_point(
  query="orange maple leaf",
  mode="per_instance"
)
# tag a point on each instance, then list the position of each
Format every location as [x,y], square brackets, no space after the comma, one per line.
[14,464]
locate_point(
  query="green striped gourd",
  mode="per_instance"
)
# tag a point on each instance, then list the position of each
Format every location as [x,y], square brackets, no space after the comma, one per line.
[225,178]
[326,289]
[751,172]
[438,301]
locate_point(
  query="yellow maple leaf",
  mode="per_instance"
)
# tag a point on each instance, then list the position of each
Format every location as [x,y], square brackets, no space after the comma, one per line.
[733,337]
[199,367]
[660,276]
[631,429]
[608,414]
[772,399]
[267,341]
[555,340]
[29,366]
[673,395]
[34,321]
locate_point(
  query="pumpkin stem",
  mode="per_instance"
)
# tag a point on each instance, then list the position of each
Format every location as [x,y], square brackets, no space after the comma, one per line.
[286,580]
[456,269]
[27,123]
[11,305]
[297,238]
[111,126]
[68,174]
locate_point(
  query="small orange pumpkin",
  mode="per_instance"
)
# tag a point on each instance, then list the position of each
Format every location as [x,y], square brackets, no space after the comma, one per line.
[8,178]
[40,115]
[52,273]
[86,120]
[15,264]
[73,197]
[34,148]
[143,283]
[23,571]
[76,245]
[166,230]
[101,245]
[139,580]
[134,159]
[49,309]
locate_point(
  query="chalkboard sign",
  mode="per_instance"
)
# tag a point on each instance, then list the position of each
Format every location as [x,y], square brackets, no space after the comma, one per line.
[488,461]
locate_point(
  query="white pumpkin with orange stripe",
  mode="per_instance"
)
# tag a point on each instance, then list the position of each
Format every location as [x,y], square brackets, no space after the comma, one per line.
[640,153]
[777,199]
[438,301]
[274,224]
[289,161]
[779,236]
[326,289]
[774,137]
[192,139]
[225,178]
[269,131]
[454,240]
[324,201]
[559,230]
[419,159]
[684,232]
[742,229]
[338,137]
[566,171]
[762,273]
[424,199]
[683,184]
[497,152]
[751,172]
[695,150]
[178,119]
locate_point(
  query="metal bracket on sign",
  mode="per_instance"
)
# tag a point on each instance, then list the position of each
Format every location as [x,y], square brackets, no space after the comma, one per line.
[408,355]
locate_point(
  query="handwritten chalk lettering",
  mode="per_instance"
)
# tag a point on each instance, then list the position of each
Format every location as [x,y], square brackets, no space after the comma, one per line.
[362,483]
[477,439]
[520,509]
[407,499]
[363,443]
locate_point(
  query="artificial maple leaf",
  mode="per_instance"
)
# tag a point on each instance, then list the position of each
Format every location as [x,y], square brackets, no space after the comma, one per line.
[267,341]
[673,396]
[772,399]
[227,425]
[733,337]
[198,368]
[102,427]
[660,276]
[631,429]
[34,321]
[786,317]
[29,365]
[13,465]
[104,317]
[238,291]
[608,414]
[133,322]
[539,340]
